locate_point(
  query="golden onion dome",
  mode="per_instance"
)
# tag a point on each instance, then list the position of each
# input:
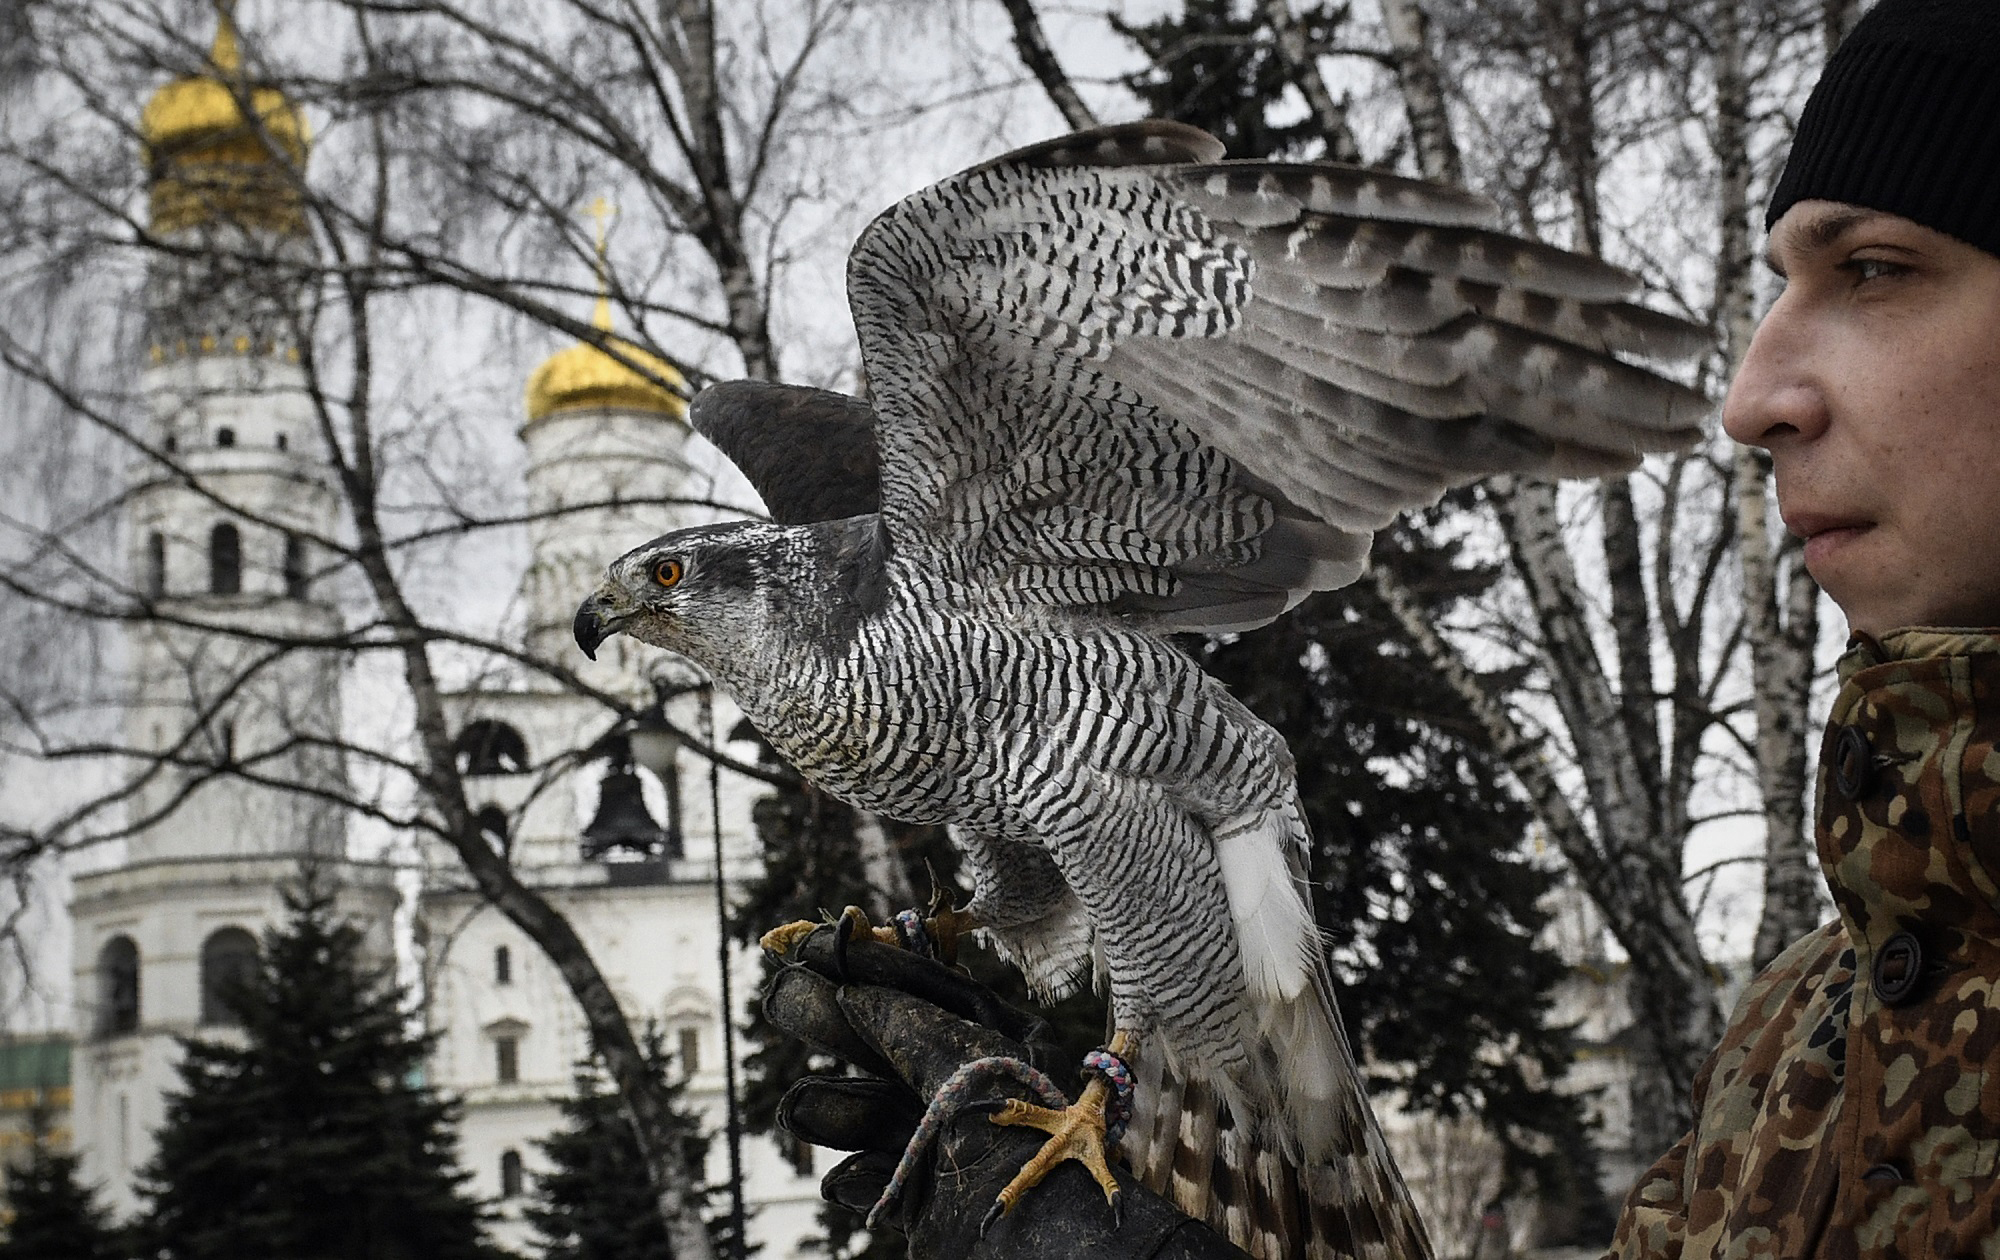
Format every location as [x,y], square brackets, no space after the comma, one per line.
[584,376]
[207,162]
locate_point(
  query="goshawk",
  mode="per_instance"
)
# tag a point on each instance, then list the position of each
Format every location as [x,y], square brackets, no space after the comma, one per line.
[1122,388]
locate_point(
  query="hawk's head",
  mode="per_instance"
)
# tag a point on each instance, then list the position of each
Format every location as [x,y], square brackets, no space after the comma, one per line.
[695,591]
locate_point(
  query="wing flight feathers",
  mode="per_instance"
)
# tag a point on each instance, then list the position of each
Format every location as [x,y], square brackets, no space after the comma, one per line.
[1109,368]
[1266,194]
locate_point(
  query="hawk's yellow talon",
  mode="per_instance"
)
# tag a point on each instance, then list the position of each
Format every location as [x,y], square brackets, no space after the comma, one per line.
[853,920]
[1075,1133]
[779,940]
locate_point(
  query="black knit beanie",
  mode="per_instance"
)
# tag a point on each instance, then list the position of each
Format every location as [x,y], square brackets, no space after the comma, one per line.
[1907,119]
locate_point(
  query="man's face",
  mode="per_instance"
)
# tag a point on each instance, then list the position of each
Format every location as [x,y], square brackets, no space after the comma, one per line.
[1875,384]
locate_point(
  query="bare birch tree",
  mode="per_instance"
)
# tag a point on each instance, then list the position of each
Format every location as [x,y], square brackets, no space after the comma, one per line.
[1609,80]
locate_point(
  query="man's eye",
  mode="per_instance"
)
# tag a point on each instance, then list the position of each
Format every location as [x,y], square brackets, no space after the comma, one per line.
[1864,269]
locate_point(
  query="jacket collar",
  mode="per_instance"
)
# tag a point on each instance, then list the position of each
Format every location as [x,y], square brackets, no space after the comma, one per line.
[1908,798]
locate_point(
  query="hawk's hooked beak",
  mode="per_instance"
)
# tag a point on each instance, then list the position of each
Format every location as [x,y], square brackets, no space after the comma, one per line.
[595,622]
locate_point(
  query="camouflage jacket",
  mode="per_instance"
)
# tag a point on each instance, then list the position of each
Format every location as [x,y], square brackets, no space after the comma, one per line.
[1853,1107]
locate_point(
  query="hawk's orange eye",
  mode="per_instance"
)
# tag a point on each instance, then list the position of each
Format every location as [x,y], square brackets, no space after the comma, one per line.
[667,572]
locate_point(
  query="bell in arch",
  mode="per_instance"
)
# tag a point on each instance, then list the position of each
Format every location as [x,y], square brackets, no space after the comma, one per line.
[622,821]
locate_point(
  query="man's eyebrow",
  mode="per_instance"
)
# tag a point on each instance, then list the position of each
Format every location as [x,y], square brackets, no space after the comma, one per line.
[1820,232]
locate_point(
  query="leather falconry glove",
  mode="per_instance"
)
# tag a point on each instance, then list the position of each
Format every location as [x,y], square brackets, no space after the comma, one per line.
[913,1026]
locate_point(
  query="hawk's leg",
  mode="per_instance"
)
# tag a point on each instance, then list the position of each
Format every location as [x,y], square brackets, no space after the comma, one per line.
[1082,1131]
[937,934]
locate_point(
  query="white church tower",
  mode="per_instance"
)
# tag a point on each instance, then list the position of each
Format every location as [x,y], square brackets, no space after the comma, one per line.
[228,528]
[627,852]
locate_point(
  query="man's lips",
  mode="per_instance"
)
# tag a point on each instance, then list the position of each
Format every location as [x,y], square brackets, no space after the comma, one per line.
[1824,534]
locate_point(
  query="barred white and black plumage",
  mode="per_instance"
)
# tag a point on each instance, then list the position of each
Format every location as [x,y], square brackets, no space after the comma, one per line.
[1121,389]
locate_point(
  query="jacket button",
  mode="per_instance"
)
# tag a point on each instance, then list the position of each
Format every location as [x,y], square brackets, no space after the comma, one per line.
[1884,1174]
[1899,965]
[1853,763]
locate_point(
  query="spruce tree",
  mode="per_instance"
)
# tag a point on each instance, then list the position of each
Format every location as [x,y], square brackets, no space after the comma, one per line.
[310,1137]
[1216,65]
[596,1200]
[55,1217]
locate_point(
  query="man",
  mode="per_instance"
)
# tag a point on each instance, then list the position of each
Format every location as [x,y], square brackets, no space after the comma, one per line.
[1853,1107]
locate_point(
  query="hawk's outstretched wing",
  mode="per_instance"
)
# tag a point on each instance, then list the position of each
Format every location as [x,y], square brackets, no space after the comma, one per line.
[1110,370]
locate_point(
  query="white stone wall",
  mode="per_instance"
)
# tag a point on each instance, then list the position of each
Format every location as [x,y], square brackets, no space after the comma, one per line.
[189,701]
[657,945]
[209,849]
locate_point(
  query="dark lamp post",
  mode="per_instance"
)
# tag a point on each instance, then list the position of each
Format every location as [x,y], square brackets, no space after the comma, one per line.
[655,744]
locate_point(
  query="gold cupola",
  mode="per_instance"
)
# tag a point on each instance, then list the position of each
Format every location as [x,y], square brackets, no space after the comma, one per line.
[206,162]
[585,377]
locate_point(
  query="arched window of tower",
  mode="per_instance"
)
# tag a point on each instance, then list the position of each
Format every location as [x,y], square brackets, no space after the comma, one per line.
[284,441]
[156,564]
[228,960]
[491,747]
[510,1174]
[688,1050]
[225,436]
[503,965]
[225,560]
[492,823]
[118,987]
[295,567]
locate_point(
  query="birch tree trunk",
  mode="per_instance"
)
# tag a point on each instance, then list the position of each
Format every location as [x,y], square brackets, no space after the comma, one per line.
[687,48]
[1781,634]
[1637,859]
[1033,45]
[1422,87]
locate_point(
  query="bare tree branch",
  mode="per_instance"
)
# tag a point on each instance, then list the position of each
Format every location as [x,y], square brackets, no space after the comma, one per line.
[1041,62]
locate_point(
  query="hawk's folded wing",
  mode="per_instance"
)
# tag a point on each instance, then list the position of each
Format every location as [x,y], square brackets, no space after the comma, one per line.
[809,452]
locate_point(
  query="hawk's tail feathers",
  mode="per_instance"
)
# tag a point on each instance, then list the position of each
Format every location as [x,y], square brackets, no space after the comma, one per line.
[1184,1142]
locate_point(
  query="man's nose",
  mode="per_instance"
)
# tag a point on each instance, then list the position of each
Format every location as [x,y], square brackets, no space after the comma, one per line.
[1776,396]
